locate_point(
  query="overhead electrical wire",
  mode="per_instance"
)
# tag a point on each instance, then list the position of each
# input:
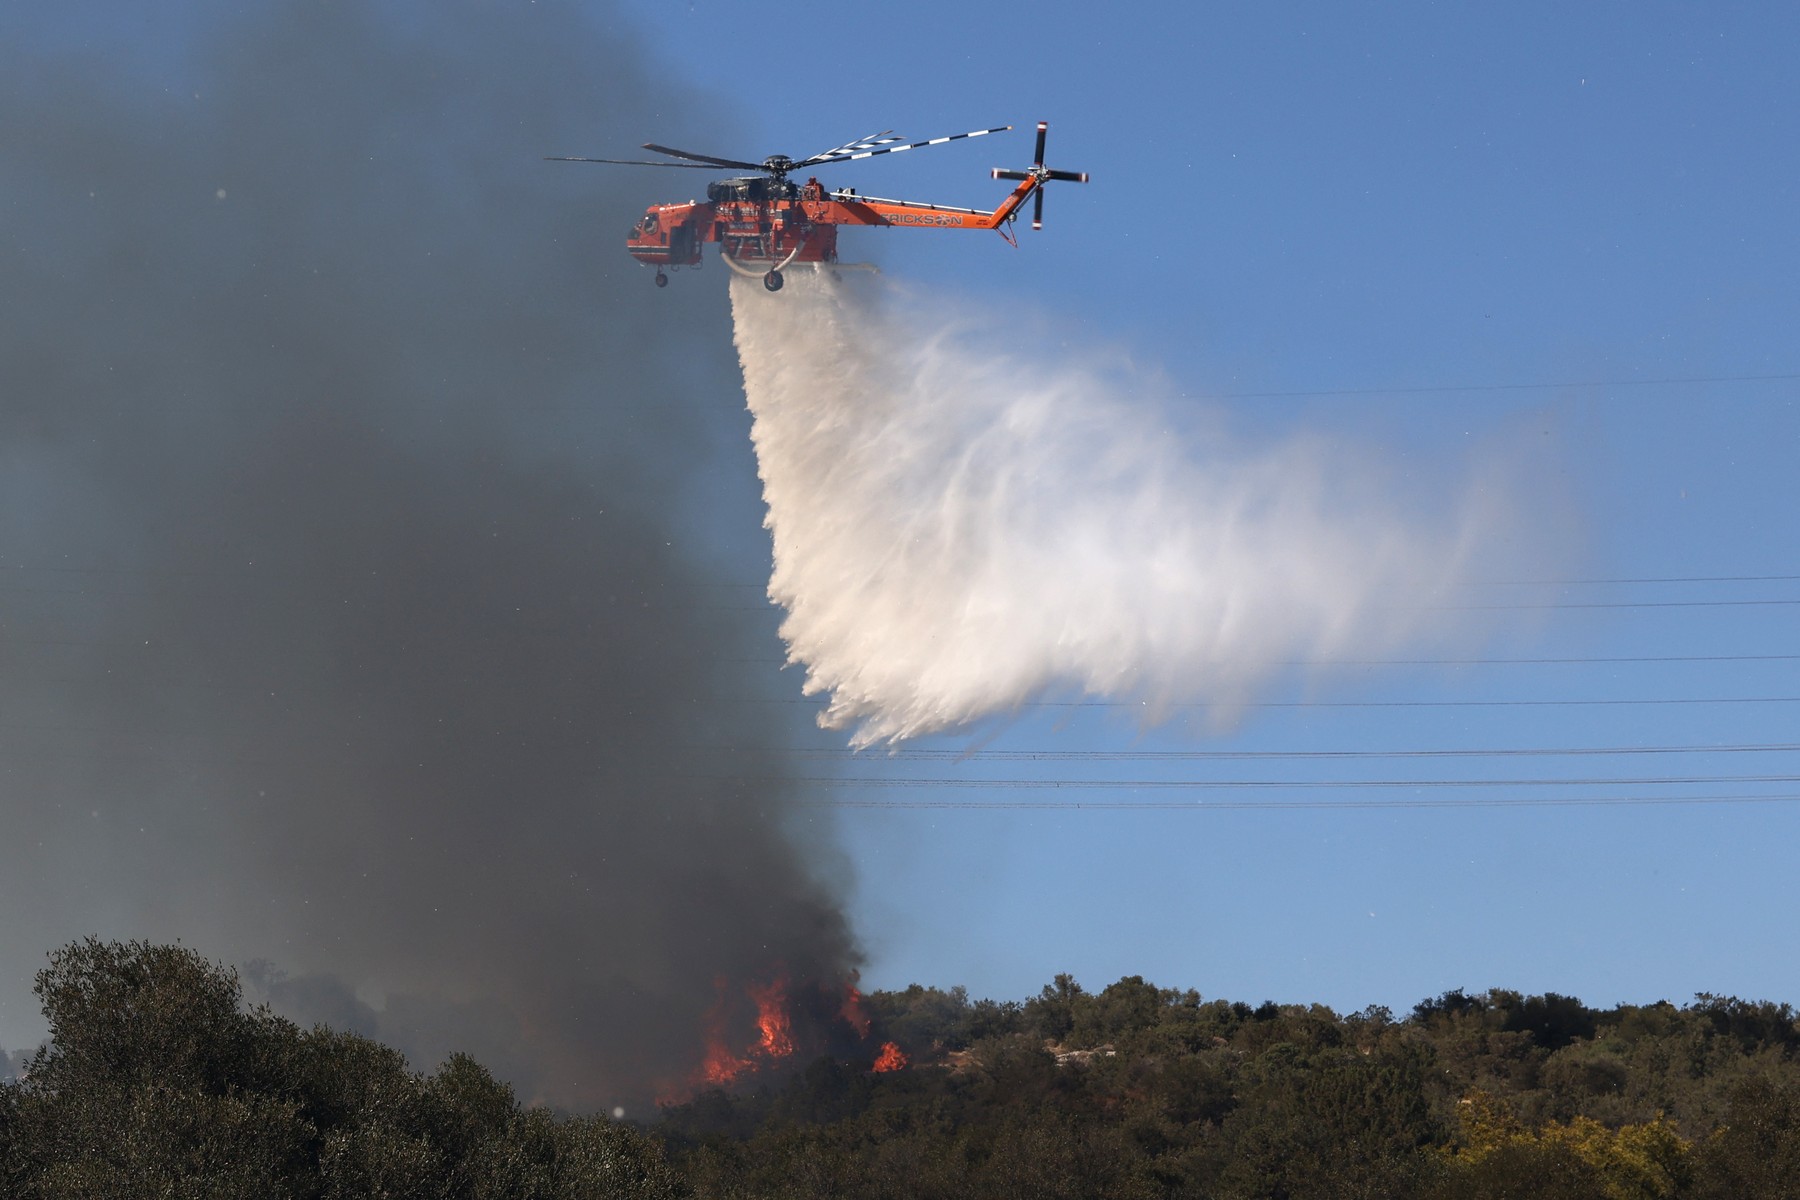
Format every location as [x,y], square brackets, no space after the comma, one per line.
[1551,660]
[1531,606]
[278,575]
[1663,579]
[1559,604]
[959,756]
[1584,582]
[398,753]
[1210,805]
[1528,606]
[1212,801]
[1570,660]
[1682,381]
[1626,702]
[1208,785]
[1594,702]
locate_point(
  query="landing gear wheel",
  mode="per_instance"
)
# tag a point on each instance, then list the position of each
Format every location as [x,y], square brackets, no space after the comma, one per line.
[662,280]
[773,281]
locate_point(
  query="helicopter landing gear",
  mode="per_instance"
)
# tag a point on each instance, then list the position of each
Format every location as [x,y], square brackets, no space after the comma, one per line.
[773,281]
[662,280]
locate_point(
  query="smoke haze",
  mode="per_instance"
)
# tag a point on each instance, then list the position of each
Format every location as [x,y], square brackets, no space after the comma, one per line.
[351,621]
[959,531]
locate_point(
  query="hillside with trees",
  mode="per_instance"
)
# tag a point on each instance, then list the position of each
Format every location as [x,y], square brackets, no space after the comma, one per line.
[157,1081]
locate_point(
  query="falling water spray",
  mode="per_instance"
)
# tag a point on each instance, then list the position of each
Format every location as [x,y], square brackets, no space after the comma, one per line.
[959,530]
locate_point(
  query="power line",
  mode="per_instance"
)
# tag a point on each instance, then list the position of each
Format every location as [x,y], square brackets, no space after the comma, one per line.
[1509,582]
[1505,387]
[1663,579]
[1630,702]
[1559,604]
[1244,755]
[1296,805]
[626,702]
[1185,785]
[375,576]
[1539,606]
[1600,702]
[1551,660]
[876,757]
[1367,662]
[1526,662]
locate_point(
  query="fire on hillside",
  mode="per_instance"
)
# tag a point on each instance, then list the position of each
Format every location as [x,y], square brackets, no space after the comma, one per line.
[765,1026]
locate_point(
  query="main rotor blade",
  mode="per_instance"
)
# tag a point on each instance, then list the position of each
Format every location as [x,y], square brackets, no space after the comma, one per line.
[955,137]
[1037,209]
[704,158]
[633,162]
[873,141]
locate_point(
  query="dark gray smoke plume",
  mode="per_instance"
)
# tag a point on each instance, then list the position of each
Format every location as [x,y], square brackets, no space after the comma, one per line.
[352,617]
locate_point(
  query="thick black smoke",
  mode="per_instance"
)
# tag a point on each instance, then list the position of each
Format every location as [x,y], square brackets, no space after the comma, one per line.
[351,613]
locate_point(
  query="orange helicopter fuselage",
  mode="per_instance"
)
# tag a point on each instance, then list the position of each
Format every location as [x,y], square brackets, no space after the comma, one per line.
[770,220]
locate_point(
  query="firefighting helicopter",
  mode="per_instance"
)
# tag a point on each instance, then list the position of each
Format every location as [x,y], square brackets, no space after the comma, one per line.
[765,222]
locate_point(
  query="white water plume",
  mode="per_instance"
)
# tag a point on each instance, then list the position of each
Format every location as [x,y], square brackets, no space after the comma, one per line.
[958,531]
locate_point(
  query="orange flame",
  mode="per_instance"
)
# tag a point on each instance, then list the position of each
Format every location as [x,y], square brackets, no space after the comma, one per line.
[772,1017]
[853,1012]
[892,1058]
[721,1065]
[732,1051]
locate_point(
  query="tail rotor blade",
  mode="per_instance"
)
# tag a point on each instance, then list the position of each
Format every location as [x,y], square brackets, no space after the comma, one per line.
[1043,175]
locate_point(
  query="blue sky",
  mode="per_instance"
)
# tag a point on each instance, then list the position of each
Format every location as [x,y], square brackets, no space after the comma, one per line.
[1324,215]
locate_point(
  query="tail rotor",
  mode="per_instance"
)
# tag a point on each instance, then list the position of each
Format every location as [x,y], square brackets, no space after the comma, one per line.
[1042,175]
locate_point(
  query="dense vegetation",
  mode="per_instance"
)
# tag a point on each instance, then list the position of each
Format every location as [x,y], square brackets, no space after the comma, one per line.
[157,1083]
[1138,1091]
